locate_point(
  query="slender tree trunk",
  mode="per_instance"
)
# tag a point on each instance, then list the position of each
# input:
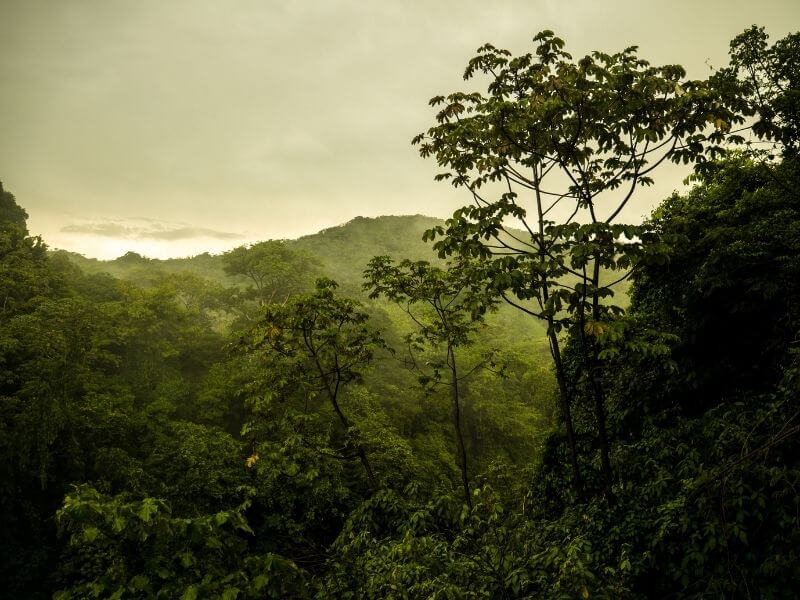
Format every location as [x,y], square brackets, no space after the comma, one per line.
[332,395]
[362,456]
[565,398]
[462,451]
[566,410]
[597,388]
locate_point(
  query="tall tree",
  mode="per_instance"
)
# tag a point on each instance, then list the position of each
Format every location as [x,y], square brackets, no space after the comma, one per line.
[455,303]
[318,344]
[276,270]
[763,82]
[24,273]
[578,138]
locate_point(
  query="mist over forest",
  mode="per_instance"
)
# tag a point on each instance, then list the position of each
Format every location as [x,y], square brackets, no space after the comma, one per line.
[539,396]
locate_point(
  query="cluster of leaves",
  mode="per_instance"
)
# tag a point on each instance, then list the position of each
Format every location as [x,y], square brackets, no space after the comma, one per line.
[762,82]
[137,549]
[274,270]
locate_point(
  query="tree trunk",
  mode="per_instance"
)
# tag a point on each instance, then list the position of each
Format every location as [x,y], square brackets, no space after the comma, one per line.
[362,456]
[555,351]
[333,392]
[597,388]
[566,411]
[462,451]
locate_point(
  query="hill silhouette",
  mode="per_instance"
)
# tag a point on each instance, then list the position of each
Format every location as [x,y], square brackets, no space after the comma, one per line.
[343,250]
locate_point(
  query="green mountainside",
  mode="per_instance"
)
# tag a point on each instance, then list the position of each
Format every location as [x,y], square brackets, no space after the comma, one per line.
[343,250]
[346,249]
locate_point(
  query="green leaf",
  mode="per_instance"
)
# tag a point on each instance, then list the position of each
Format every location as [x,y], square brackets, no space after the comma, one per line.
[230,593]
[147,510]
[139,582]
[90,534]
[190,593]
[119,524]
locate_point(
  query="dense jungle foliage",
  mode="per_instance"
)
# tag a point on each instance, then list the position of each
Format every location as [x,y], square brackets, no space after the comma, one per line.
[500,405]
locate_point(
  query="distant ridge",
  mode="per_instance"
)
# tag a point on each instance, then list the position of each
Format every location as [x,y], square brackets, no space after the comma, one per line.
[344,250]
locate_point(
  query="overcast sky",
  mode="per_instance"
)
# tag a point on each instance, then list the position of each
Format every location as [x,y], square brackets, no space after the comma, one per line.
[172,127]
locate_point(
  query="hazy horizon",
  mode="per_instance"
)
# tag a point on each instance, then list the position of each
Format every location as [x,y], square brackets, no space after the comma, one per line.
[170,129]
[232,245]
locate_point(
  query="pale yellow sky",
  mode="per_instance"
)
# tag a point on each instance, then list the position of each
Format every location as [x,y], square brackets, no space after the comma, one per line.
[171,128]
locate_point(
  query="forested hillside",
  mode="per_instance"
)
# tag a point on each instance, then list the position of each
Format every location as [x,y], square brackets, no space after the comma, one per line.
[499,405]
[138,371]
[343,252]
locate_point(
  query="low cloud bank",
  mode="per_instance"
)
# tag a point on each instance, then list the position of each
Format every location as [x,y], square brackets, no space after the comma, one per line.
[152,230]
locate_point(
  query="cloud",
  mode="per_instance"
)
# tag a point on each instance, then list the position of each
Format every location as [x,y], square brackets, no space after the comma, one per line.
[186,233]
[153,230]
[114,230]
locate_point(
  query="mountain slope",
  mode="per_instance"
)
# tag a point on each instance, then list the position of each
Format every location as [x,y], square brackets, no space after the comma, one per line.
[344,251]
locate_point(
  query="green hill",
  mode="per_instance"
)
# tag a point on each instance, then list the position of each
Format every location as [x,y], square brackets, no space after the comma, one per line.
[343,250]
